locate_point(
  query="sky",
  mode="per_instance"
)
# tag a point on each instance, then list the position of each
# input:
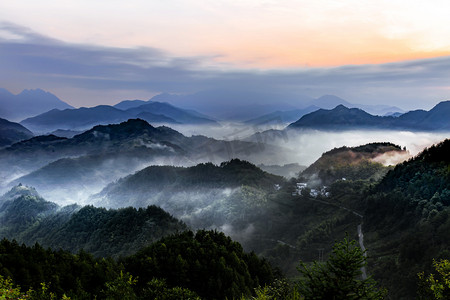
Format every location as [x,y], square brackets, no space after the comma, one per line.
[87,53]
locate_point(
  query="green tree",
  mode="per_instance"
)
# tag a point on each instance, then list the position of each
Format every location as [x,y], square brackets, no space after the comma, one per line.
[339,277]
[157,289]
[435,286]
[9,291]
[121,287]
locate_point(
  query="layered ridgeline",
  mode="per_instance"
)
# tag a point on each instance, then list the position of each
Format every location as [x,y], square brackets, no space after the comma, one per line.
[28,218]
[86,117]
[366,162]
[407,220]
[11,133]
[343,118]
[204,196]
[70,169]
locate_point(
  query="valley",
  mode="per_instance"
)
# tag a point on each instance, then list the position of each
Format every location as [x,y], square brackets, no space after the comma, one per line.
[120,188]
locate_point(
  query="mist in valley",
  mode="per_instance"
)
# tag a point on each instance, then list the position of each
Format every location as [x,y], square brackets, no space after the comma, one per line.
[306,146]
[65,182]
[240,210]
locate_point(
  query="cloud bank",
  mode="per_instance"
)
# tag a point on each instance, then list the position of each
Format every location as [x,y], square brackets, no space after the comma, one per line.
[78,72]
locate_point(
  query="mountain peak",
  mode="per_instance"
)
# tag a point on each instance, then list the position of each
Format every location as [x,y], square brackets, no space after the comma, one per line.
[341,107]
[29,102]
[19,191]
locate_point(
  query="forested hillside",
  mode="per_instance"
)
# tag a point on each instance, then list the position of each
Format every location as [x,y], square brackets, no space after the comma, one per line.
[407,220]
[28,218]
[204,196]
[403,217]
[364,162]
[180,266]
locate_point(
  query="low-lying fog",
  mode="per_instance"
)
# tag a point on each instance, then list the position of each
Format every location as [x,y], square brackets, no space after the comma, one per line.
[301,147]
[306,146]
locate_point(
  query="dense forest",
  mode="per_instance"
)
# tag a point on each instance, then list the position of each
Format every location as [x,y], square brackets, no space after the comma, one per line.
[402,210]
[181,266]
[407,219]
[28,218]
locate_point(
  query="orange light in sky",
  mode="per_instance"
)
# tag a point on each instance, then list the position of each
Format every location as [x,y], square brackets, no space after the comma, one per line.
[250,33]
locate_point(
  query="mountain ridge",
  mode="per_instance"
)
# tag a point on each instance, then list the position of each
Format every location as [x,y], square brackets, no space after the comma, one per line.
[11,132]
[85,117]
[343,118]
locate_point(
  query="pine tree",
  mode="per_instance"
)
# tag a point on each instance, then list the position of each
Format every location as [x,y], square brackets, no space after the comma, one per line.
[339,277]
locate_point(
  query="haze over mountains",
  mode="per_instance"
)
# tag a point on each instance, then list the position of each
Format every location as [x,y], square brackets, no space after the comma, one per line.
[343,118]
[11,132]
[202,182]
[84,118]
[31,103]
[28,103]
[108,152]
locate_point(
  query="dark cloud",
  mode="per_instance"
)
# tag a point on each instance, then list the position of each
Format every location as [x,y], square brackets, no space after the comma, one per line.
[39,61]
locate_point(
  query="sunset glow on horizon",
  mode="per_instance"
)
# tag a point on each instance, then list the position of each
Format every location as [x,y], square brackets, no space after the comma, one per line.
[94,52]
[255,34]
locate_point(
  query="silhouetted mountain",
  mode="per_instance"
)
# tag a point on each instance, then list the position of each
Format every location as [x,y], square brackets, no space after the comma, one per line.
[343,118]
[234,105]
[76,119]
[282,117]
[28,103]
[127,104]
[11,132]
[330,101]
[87,117]
[154,118]
[172,112]
[438,118]
[392,114]
[338,118]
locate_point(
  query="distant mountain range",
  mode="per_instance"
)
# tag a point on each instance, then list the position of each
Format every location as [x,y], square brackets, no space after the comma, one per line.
[11,132]
[28,103]
[331,101]
[324,102]
[344,118]
[85,117]
[282,117]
